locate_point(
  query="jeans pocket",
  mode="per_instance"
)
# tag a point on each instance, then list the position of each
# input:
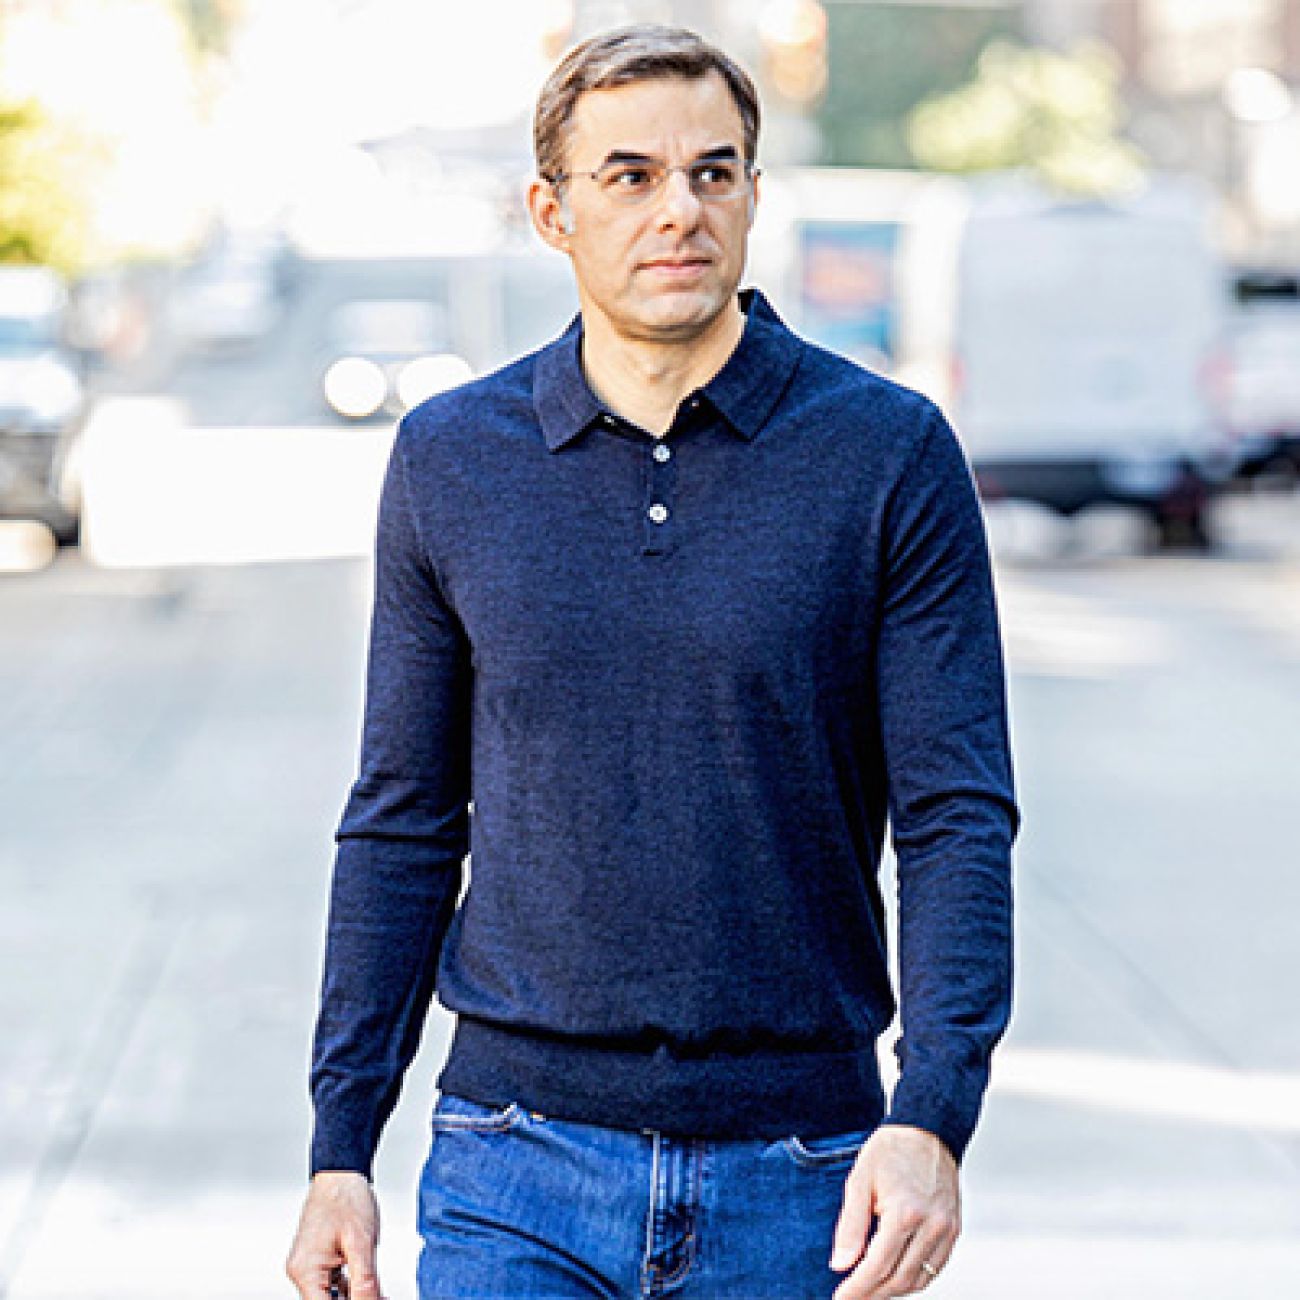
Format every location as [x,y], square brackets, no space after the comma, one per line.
[453,1113]
[826,1152]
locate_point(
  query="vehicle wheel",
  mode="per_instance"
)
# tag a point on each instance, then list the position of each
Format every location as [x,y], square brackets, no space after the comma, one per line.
[1182,532]
[64,521]
[67,532]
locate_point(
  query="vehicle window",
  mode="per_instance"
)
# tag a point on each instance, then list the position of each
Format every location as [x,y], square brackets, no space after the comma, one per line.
[18,332]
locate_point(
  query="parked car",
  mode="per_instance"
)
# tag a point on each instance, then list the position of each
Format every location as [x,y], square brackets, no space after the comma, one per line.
[384,356]
[234,294]
[42,401]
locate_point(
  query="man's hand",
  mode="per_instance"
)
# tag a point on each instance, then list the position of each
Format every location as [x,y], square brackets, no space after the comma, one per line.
[907,1178]
[339,1228]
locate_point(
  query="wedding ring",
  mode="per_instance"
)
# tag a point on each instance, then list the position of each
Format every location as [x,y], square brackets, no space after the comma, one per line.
[929,1268]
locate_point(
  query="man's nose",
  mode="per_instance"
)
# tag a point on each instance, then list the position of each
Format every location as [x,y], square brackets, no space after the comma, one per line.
[678,204]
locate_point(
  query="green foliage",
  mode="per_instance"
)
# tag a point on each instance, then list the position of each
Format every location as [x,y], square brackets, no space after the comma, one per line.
[47,172]
[56,162]
[1056,114]
[884,61]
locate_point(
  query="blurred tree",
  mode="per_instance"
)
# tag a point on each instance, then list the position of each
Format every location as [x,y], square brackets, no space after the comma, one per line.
[47,170]
[45,187]
[884,60]
[1057,114]
[212,22]
[75,133]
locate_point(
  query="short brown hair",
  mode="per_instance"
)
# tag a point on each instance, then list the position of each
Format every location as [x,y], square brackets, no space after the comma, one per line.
[620,56]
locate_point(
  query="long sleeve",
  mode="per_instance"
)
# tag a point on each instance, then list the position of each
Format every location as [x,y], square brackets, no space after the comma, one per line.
[400,843]
[941,693]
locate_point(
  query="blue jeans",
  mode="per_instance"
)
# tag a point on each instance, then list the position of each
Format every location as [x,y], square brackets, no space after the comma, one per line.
[517,1204]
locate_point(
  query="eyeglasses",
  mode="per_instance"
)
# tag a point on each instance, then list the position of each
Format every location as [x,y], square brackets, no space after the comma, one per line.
[630,183]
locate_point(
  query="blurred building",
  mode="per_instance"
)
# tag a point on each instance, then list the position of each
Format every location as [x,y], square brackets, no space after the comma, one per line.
[1213,88]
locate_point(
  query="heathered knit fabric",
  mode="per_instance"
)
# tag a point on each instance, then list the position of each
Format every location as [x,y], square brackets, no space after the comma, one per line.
[686,695]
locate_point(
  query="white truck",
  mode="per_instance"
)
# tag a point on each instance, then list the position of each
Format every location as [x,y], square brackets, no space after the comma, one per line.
[1074,343]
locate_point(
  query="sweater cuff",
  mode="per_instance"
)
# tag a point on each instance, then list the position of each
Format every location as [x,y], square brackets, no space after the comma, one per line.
[946,1105]
[326,1157]
[342,1142]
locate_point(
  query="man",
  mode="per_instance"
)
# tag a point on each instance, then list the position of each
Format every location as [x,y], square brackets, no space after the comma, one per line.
[689,607]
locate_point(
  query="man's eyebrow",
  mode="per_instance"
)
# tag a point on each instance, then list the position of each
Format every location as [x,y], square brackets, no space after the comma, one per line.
[717,153]
[627,156]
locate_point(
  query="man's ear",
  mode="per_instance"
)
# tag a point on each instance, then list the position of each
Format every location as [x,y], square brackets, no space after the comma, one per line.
[551,218]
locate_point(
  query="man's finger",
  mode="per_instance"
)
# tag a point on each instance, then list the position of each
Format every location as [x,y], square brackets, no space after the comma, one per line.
[311,1277]
[362,1280]
[884,1251]
[854,1226]
[931,1246]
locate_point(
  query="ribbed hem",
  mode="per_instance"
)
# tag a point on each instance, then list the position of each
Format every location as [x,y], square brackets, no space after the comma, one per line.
[754,1095]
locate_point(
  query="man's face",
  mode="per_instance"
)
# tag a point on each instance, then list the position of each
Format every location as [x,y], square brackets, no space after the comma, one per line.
[665,267]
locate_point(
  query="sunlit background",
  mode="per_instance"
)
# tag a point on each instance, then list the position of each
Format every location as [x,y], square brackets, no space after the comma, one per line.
[239,238]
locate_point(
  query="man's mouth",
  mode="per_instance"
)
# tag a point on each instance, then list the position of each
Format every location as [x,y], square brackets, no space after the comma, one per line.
[678,265]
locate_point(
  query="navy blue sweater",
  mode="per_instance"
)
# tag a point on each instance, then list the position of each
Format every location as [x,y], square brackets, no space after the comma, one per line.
[667,693]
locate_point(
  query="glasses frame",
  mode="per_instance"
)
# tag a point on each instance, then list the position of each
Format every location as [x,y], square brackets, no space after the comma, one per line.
[749,172]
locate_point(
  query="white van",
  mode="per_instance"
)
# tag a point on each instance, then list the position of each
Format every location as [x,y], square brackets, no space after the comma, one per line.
[1072,342]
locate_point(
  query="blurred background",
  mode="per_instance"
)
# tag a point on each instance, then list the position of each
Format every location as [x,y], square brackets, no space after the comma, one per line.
[239,237]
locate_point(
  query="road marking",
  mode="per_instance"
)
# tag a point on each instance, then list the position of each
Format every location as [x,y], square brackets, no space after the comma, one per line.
[1173,1090]
[1053,633]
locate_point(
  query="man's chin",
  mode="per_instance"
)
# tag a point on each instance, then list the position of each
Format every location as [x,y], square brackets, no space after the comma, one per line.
[684,313]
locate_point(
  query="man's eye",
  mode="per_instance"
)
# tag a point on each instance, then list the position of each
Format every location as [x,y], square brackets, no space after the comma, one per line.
[715,175]
[628,178]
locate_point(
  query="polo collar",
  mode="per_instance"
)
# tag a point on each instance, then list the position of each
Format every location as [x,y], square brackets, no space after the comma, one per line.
[744,392]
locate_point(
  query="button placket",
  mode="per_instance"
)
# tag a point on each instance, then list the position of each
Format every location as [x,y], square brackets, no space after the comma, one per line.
[660,475]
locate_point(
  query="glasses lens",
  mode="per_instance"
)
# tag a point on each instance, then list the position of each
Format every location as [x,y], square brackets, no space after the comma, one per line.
[633,182]
[629,182]
[717,180]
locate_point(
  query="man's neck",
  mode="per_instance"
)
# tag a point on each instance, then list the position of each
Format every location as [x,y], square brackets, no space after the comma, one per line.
[645,380]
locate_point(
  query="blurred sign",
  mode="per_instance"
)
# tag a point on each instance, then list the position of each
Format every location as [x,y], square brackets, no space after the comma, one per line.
[847,286]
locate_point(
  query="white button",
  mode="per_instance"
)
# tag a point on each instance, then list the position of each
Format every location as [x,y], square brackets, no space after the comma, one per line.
[607,421]
[661,453]
[658,513]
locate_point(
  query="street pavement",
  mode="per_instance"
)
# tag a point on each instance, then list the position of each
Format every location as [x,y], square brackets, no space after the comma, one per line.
[179,715]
